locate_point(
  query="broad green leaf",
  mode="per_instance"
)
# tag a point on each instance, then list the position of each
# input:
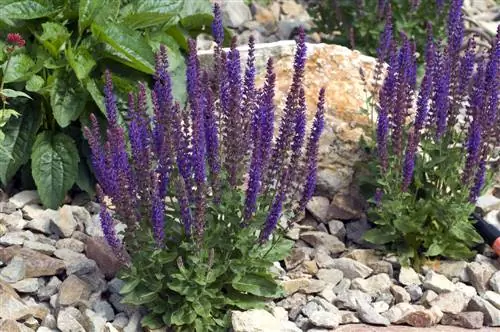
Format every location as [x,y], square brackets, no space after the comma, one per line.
[67,98]
[98,11]
[178,77]
[280,251]
[183,316]
[244,301]
[152,321]
[129,286]
[96,94]
[6,114]
[81,61]
[175,57]
[146,19]
[35,83]
[54,37]
[15,149]
[54,164]
[129,44]
[9,93]
[379,236]
[257,285]
[19,68]
[435,249]
[27,9]
[85,179]
[191,8]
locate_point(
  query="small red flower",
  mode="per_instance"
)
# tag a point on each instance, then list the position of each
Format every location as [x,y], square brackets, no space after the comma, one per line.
[16,39]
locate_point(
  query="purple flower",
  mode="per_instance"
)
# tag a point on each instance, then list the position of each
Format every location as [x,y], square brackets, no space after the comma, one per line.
[158,213]
[107,226]
[473,150]
[98,156]
[441,96]
[455,28]
[475,191]
[185,211]
[217,27]
[298,139]
[273,217]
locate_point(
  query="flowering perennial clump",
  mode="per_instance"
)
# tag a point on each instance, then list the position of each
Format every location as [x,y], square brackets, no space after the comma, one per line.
[205,184]
[450,123]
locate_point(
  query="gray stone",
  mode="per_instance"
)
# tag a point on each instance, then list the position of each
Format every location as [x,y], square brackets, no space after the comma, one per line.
[479,275]
[382,267]
[7,207]
[488,203]
[400,294]
[95,280]
[327,293]
[115,285]
[337,229]
[296,257]
[468,320]
[422,318]
[408,276]
[256,320]
[50,321]
[325,319]
[15,238]
[310,308]
[398,311]
[319,206]
[66,222]
[348,317]
[236,13]
[368,314]
[121,320]
[454,269]
[51,288]
[29,285]
[71,320]
[351,268]
[491,314]
[93,226]
[104,309]
[331,181]
[438,283]
[374,285]
[314,286]
[25,197]
[115,301]
[43,225]
[96,322]
[380,306]
[73,291]
[13,221]
[493,298]
[330,276]
[495,282]
[40,247]
[415,292]
[323,259]
[385,297]
[350,299]
[14,271]
[428,297]
[81,266]
[71,244]
[325,240]
[342,286]
[451,302]
[467,290]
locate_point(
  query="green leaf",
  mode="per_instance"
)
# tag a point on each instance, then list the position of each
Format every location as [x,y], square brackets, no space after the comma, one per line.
[19,68]
[280,251]
[152,321]
[67,98]
[9,93]
[15,149]
[96,94]
[98,11]
[379,236]
[435,249]
[175,58]
[148,13]
[257,284]
[35,83]
[85,179]
[54,163]
[54,37]
[129,286]
[6,114]
[183,316]
[244,301]
[27,9]
[135,51]
[81,61]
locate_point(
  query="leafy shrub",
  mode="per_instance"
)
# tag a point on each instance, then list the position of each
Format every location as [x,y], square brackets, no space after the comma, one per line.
[431,166]
[203,187]
[361,22]
[68,45]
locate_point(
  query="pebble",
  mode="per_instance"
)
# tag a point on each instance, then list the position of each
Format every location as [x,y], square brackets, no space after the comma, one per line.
[368,314]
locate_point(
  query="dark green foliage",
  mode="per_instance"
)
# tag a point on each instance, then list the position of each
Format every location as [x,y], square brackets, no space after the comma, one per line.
[69,44]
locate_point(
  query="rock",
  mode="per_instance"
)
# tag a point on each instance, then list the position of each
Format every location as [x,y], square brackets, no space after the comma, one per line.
[365,256]
[385,297]
[325,240]
[96,322]
[398,311]
[310,266]
[236,13]
[479,275]
[408,276]
[415,292]
[380,306]
[331,181]
[66,221]
[422,318]
[71,320]
[14,238]
[337,229]
[438,283]
[294,304]
[400,294]
[367,314]
[428,297]
[73,291]
[29,285]
[98,250]
[14,271]
[451,302]
[7,207]
[454,269]
[342,286]
[351,268]
[374,285]
[13,307]
[325,319]
[294,285]
[81,266]
[493,298]
[296,257]
[51,288]
[37,264]
[323,259]
[314,286]
[259,320]
[115,285]
[13,326]
[121,320]
[319,207]
[71,244]
[330,276]
[495,282]
[25,197]
[44,222]
[491,314]
[488,203]
[382,267]
[327,293]
[95,280]
[467,290]
[355,230]
[40,247]
[346,207]
[348,317]
[468,320]
[13,221]
[350,299]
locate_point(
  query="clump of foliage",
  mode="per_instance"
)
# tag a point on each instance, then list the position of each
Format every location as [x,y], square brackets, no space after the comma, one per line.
[203,188]
[68,46]
[361,22]
[431,166]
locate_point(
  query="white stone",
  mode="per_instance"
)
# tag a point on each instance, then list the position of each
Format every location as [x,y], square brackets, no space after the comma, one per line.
[259,320]
[408,276]
[325,319]
[374,285]
[351,268]
[493,298]
[438,283]
[25,197]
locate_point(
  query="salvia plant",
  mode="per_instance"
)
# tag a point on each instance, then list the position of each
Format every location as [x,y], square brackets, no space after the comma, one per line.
[433,143]
[205,189]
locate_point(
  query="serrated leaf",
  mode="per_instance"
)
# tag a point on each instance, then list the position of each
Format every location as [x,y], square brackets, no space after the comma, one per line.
[81,61]
[54,164]
[19,68]
[67,98]
[27,9]
[257,284]
[16,146]
[35,83]
[99,11]
[9,93]
[129,44]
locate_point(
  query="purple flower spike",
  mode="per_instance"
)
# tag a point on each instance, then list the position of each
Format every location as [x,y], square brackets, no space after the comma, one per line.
[266,113]
[217,27]
[107,226]
[98,156]
[158,213]
[455,28]
[273,217]
[110,100]
[475,191]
